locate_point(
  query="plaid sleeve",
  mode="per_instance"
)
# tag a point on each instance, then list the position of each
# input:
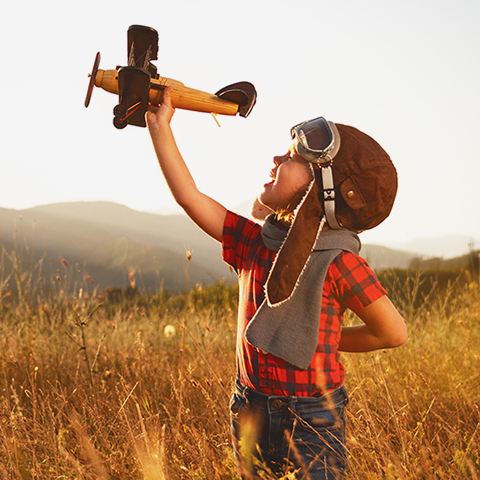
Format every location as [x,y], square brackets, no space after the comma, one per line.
[238,235]
[355,282]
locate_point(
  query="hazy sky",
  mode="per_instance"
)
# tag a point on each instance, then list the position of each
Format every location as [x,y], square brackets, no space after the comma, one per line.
[405,72]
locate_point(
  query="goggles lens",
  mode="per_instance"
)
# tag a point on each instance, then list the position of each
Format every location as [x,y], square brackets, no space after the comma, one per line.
[314,140]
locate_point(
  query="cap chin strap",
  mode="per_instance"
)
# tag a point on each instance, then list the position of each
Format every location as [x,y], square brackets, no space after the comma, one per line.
[329,197]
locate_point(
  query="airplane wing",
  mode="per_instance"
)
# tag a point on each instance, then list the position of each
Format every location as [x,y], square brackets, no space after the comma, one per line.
[134,80]
[142,47]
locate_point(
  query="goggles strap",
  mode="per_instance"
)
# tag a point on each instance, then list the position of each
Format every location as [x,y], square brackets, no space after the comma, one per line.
[329,197]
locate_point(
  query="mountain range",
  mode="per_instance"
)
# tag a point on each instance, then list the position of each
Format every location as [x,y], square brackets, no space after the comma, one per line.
[445,246]
[112,245]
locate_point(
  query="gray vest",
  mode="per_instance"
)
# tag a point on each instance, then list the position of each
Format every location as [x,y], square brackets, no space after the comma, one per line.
[289,330]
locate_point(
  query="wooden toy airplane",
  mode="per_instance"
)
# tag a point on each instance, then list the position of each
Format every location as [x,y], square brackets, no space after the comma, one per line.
[138,84]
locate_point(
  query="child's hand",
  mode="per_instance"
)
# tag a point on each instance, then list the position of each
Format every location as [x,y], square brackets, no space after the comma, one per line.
[161,114]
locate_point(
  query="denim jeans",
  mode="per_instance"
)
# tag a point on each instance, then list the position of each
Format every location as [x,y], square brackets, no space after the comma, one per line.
[273,435]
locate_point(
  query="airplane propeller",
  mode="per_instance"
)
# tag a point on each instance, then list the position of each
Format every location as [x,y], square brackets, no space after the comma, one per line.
[92,79]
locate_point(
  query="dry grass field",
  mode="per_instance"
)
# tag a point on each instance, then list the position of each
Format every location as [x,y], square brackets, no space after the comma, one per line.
[138,388]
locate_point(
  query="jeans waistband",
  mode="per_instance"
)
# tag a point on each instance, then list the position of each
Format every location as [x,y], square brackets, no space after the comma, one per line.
[279,401]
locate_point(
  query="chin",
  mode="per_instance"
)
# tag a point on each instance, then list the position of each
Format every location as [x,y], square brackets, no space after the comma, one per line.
[260,211]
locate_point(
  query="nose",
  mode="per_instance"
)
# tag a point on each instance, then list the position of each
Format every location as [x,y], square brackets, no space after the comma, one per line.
[279,159]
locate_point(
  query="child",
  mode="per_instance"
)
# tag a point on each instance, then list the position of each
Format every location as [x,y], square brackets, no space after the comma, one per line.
[297,275]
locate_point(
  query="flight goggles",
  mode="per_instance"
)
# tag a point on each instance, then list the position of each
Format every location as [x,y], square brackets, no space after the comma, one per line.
[316,140]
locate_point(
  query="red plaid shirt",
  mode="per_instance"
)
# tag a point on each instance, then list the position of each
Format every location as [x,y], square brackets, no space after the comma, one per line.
[349,283]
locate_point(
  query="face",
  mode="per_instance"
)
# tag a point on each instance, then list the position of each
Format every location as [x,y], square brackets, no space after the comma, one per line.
[290,176]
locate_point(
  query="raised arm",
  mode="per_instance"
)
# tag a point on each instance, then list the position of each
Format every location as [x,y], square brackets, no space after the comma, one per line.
[208,214]
[383,327]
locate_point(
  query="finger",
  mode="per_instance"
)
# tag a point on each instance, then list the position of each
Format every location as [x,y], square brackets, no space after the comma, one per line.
[150,116]
[167,96]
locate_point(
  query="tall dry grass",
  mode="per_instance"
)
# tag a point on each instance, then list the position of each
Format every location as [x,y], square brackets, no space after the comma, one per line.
[138,388]
[414,411]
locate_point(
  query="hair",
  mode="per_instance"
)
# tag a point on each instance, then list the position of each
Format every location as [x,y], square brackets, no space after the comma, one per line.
[285,217]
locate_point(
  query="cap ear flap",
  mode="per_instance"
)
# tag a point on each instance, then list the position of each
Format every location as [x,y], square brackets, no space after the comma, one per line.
[295,251]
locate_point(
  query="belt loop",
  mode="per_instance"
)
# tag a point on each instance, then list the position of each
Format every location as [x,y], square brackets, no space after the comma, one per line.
[241,388]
